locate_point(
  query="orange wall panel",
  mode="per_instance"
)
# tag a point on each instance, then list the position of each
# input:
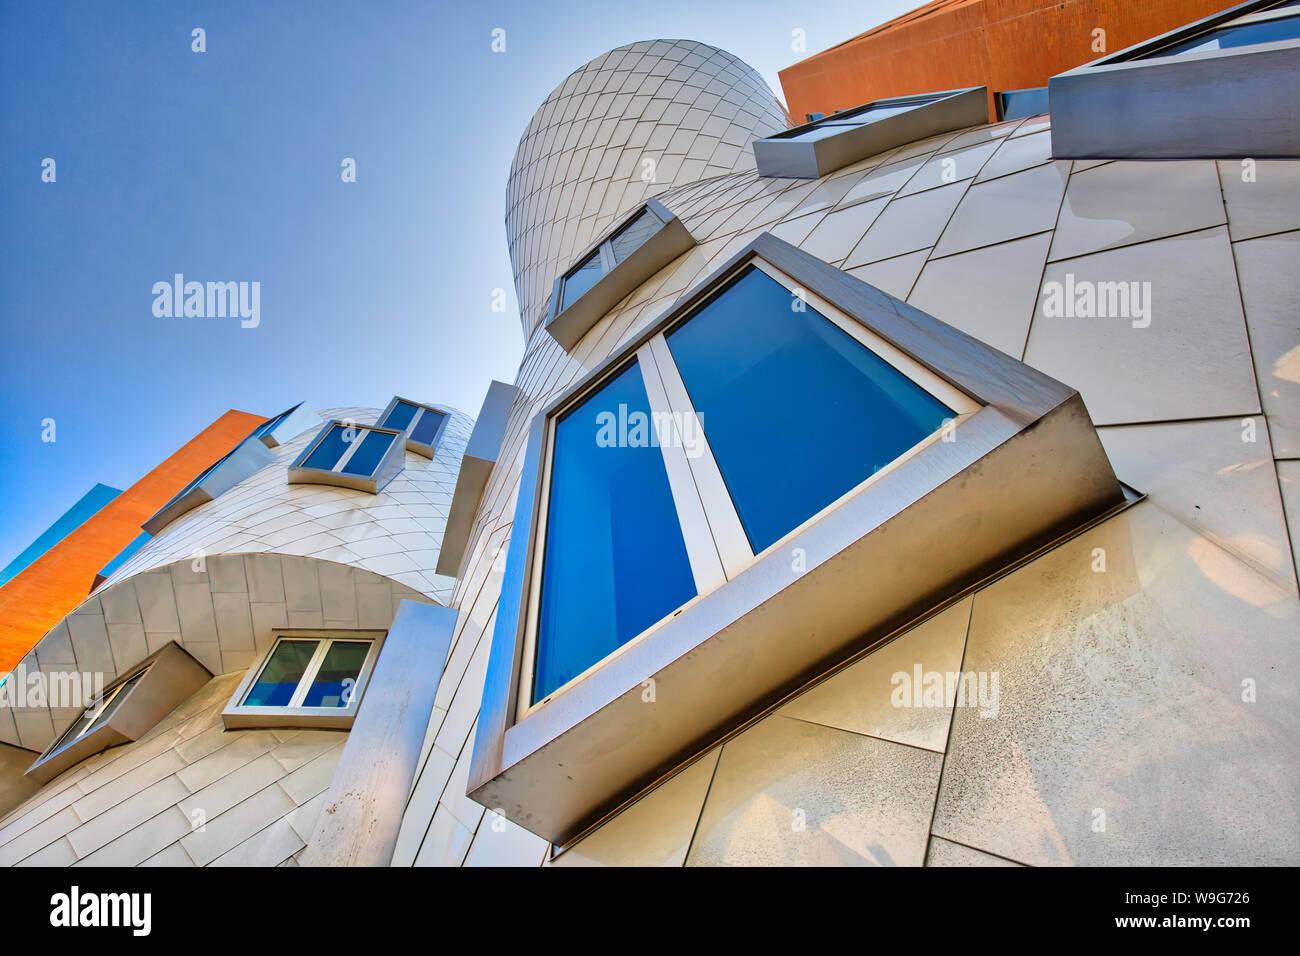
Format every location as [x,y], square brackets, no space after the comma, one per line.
[38,597]
[1000,44]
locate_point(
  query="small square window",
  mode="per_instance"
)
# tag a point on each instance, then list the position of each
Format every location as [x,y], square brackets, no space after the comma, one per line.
[309,679]
[365,457]
[638,247]
[819,148]
[422,424]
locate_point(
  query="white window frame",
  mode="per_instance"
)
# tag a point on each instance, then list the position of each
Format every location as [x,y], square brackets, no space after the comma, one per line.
[294,714]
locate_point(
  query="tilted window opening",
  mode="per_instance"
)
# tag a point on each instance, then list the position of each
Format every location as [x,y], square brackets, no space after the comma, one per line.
[423,425]
[365,457]
[1166,98]
[645,241]
[832,142]
[664,471]
[777,473]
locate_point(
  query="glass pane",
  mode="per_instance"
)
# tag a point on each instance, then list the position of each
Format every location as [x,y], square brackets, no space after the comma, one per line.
[1228,37]
[335,682]
[632,236]
[582,279]
[1019,104]
[824,130]
[796,410]
[330,450]
[615,559]
[367,458]
[118,698]
[427,427]
[280,677]
[400,416]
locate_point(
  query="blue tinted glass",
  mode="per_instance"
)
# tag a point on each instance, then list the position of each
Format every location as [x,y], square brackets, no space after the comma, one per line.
[427,427]
[270,424]
[280,677]
[615,559]
[336,681]
[583,278]
[1228,37]
[331,448]
[400,416]
[372,449]
[1018,104]
[764,378]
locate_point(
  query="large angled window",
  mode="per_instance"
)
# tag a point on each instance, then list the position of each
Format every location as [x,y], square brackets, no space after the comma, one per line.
[819,148]
[666,471]
[1222,87]
[635,249]
[364,457]
[777,473]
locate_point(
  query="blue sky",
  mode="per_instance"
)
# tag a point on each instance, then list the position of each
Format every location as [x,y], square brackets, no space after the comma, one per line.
[225,166]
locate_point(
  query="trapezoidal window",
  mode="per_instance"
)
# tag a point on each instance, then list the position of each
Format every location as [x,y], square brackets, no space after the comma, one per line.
[670,476]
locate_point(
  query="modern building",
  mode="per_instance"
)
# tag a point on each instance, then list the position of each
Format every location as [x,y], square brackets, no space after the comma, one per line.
[1009,47]
[885,490]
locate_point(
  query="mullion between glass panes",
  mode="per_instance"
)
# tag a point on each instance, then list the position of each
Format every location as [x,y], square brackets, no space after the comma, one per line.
[351,449]
[309,674]
[701,549]
[720,511]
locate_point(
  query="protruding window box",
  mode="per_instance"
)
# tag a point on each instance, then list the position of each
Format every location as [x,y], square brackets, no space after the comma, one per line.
[422,424]
[819,148]
[705,599]
[638,247]
[308,678]
[1222,87]
[364,457]
[248,457]
[128,708]
[481,454]
[288,425]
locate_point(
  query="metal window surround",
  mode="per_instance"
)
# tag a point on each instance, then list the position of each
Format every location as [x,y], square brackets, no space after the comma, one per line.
[783,155]
[249,456]
[1232,103]
[568,324]
[288,425]
[237,714]
[427,450]
[1025,467]
[389,465]
[481,454]
[172,676]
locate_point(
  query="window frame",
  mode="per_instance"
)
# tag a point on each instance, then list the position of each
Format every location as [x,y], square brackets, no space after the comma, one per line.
[568,323]
[286,426]
[1124,106]
[427,450]
[389,465]
[1030,452]
[237,714]
[167,677]
[717,545]
[784,155]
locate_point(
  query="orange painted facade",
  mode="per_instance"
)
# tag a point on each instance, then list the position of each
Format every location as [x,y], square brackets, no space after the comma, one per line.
[37,598]
[1001,44]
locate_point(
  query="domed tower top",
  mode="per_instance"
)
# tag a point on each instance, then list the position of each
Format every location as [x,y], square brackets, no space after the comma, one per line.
[632,123]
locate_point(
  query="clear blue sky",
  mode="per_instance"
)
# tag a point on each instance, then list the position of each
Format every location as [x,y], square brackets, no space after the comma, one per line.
[225,166]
